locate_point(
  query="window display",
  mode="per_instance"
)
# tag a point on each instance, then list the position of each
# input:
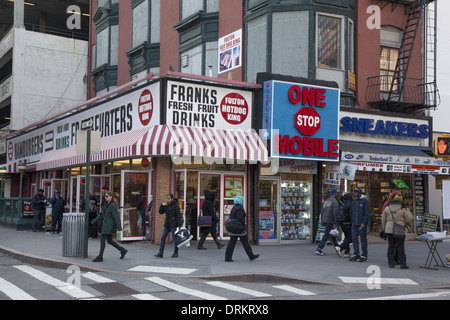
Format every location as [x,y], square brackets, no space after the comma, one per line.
[295,210]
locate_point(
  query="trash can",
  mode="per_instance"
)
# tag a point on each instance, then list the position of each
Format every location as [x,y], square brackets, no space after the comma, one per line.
[73,234]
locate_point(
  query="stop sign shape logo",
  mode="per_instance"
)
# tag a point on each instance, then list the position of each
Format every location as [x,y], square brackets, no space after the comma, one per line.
[307,121]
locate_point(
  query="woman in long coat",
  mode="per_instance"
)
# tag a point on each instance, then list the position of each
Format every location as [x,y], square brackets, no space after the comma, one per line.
[402,216]
[238,213]
[209,210]
[111,224]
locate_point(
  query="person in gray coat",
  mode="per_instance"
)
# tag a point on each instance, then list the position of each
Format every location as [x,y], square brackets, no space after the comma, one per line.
[329,215]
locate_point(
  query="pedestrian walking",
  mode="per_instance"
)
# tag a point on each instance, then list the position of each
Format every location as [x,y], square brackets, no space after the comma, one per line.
[111,224]
[238,213]
[38,203]
[346,224]
[382,233]
[395,212]
[328,217]
[58,203]
[174,220]
[360,220]
[209,210]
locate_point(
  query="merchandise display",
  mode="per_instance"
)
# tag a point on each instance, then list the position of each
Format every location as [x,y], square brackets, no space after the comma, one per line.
[295,210]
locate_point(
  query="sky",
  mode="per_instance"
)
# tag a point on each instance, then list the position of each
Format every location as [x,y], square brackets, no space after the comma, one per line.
[442,113]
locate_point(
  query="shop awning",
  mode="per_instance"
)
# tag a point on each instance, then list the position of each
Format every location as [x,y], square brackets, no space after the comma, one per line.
[161,140]
[385,153]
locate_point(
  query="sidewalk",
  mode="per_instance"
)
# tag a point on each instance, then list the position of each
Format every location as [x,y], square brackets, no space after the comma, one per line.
[283,263]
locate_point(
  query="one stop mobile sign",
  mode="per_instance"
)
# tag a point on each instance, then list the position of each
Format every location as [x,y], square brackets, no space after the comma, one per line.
[307,121]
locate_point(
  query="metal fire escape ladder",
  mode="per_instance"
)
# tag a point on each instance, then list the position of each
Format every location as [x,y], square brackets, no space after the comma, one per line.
[406,48]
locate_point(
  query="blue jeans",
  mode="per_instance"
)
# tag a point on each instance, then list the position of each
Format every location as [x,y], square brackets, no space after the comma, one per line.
[164,235]
[363,235]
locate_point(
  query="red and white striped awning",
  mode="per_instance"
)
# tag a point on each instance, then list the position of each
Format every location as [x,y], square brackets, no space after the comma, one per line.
[162,140]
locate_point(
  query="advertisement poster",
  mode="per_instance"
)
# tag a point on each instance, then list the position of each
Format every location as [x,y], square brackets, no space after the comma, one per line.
[302,120]
[233,187]
[266,225]
[195,105]
[230,51]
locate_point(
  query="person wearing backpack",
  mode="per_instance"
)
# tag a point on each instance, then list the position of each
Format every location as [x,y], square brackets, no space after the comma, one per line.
[346,224]
[329,215]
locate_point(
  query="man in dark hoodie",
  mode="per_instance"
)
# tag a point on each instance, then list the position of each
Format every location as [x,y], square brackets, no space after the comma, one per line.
[209,210]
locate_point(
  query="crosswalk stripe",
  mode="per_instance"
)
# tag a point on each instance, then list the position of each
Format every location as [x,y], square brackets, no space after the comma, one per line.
[14,292]
[184,290]
[97,278]
[295,290]
[145,296]
[235,288]
[60,285]
[363,280]
[168,270]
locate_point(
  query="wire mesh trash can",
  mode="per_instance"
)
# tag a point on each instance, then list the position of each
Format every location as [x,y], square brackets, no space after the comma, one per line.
[73,234]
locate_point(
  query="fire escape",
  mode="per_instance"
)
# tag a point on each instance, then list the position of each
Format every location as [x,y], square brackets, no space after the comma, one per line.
[396,91]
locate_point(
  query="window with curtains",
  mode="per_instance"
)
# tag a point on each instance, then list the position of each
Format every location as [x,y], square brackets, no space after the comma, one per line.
[329,41]
[388,59]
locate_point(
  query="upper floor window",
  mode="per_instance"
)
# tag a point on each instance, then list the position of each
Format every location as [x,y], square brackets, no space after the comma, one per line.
[390,41]
[329,41]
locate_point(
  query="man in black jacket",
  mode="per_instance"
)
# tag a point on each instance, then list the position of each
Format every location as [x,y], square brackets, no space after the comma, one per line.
[174,220]
[38,203]
[209,210]
[58,203]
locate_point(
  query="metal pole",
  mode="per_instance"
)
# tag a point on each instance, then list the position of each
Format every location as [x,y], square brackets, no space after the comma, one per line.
[86,197]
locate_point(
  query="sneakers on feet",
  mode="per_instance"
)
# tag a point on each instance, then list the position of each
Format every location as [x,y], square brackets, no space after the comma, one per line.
[362,259]
[319,252]
[338,251]
[355,258]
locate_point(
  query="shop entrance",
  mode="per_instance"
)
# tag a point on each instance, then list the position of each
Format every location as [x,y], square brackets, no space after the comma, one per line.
[189,188]
[135,190]
[98,185]
[269,210]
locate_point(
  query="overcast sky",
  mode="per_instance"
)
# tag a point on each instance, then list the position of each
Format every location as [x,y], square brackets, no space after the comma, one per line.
[441,116]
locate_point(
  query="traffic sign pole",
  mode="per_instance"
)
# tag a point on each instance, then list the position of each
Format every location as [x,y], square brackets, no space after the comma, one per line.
[86,197]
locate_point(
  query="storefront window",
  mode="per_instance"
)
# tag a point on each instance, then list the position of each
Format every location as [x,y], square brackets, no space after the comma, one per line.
[118,166]
[141,164]
[296,211]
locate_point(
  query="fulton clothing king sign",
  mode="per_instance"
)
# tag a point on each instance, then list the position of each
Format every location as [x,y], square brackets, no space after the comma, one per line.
[302,121]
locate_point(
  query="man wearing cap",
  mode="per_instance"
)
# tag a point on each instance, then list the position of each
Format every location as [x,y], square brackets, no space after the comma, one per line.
[38,204]
[58,203]
[360,220]
[329,213]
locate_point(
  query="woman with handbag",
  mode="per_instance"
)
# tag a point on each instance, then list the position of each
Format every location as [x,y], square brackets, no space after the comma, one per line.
[208,210]
[111,223]
[238,214]
[394,221]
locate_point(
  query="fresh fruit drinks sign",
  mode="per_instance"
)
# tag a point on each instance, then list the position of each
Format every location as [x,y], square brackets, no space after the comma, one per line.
[302,121]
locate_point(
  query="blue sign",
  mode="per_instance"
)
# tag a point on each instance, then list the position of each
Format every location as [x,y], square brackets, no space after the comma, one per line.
[302,120]
[385,128]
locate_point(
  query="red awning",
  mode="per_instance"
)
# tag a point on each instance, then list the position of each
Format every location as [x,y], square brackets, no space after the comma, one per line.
[162,140]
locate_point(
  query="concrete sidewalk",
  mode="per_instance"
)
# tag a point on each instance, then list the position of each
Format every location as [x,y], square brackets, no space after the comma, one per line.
[277,263]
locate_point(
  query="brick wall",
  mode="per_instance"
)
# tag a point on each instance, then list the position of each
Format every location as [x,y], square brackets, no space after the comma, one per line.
[163,176]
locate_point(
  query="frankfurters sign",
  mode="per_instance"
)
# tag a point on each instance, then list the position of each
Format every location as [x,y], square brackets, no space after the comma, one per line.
[302,121]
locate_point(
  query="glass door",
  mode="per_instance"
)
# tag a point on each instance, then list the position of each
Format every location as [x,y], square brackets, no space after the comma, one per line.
[98,185]
[135,190]
[233,186]
[269,211]
[212,183]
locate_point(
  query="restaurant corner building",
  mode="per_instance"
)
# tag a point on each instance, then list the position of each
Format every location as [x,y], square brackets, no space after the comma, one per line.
[169,135]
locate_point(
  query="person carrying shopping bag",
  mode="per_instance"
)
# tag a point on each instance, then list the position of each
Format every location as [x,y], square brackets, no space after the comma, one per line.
[174,220]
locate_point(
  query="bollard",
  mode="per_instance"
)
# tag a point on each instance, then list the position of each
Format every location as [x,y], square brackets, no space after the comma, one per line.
[73,234]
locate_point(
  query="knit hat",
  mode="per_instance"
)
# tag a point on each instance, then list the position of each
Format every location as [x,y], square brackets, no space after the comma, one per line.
[239,200]
[398,198]
[333,191]
[358,190]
